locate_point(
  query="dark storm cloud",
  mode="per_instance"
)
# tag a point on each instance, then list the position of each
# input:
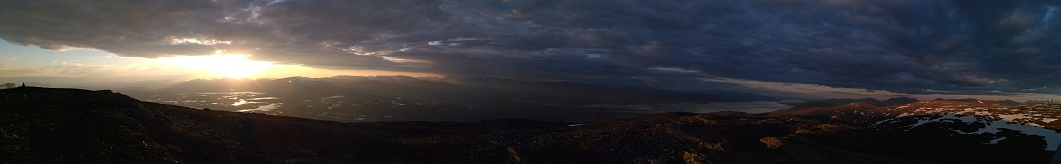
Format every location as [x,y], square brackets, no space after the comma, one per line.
[905,46]
[309,32]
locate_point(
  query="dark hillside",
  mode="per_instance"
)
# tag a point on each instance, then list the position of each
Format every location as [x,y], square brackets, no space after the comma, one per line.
[44,125]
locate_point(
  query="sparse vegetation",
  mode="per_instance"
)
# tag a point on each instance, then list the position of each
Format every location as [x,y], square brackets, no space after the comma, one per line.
[41,125]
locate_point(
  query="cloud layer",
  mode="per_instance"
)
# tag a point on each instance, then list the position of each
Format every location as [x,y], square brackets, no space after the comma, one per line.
[902,46]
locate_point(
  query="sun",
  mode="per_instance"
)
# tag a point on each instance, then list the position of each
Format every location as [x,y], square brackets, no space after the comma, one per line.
[236,66]
[224,65]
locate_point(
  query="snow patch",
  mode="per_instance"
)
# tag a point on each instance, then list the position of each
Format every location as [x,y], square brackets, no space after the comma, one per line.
[904,115]
[1052,137]
[995,141]
[968,119]
[948,116]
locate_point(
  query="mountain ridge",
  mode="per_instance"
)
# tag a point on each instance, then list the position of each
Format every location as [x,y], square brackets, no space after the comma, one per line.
[466,88]
[112,127]
[838,102]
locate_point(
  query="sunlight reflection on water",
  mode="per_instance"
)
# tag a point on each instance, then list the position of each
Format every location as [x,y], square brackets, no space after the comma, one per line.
[240,102]
[263,108]
[263,98]
[231,93]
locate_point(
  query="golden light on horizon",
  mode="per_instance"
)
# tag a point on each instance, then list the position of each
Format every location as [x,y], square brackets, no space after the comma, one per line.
[224,65]
[240,66]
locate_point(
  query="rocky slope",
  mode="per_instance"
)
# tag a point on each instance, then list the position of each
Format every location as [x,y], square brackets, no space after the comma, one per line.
[988,122]
[43,125]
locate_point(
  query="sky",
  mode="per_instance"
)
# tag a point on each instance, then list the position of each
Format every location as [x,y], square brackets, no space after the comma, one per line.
[808,48]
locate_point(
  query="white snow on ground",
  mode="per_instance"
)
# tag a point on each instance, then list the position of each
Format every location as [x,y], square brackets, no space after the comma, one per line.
[995,141]
[995,118]
[1052,137]
[904,115]
[968,119]
[923,120]
[1035,124]
[882,121]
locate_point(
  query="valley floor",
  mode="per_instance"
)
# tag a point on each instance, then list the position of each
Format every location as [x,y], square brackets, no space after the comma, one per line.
[44,125]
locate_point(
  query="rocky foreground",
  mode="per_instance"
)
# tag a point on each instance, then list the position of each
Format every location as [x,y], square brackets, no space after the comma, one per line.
[45,125]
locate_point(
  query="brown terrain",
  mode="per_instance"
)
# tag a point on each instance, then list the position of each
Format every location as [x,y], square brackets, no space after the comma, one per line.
[45,125]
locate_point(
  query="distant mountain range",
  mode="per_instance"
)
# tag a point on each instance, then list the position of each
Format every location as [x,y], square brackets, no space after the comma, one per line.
[838,102]
[473,89]
[46,125]
[403,98]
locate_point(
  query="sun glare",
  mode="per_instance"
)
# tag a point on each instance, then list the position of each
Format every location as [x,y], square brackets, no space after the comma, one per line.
[226,65]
